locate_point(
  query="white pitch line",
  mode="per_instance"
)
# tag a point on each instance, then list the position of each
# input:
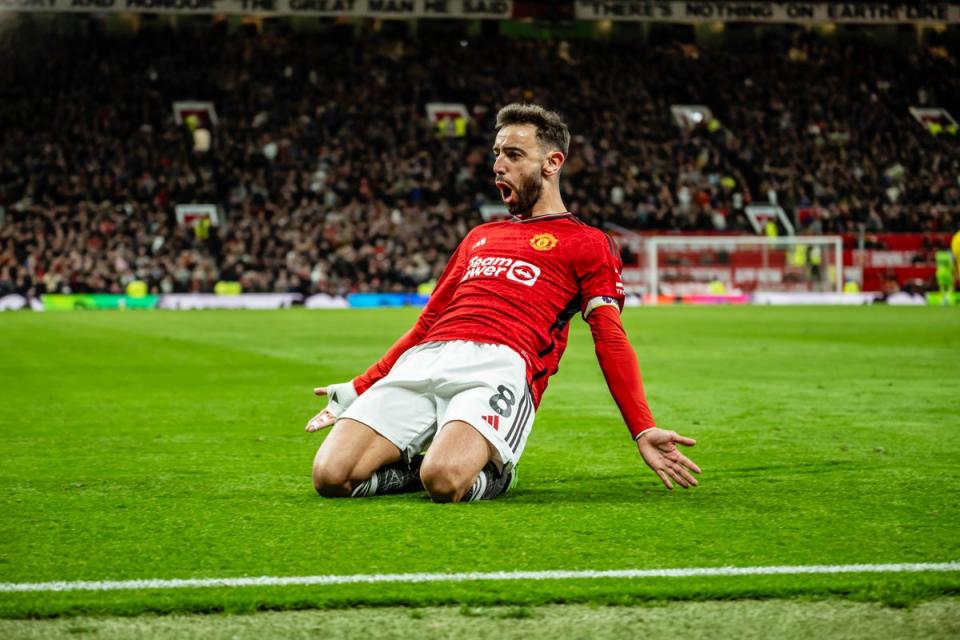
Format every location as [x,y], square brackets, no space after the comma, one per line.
[282,581]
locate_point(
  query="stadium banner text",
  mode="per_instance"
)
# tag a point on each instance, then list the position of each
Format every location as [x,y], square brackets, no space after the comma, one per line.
[461,9]
[773,12]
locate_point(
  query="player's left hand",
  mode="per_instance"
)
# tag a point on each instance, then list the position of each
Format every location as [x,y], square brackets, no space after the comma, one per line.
[322,420]
[339,397]
[659,450]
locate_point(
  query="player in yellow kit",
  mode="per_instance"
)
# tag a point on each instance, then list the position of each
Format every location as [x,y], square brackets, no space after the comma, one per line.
[947,270]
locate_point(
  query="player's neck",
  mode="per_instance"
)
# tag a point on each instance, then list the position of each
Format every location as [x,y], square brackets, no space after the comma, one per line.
[548,204]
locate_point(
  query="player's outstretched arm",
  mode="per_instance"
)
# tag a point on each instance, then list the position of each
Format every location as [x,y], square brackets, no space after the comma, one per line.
[622,373]
[339,397]
[659,450]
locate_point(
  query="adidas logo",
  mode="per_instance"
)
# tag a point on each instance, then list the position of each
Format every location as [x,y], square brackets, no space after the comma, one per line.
[479,243]
[493,421]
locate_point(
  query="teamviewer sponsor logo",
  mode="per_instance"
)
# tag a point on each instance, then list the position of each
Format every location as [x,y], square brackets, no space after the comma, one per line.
[523,272]
[516,270]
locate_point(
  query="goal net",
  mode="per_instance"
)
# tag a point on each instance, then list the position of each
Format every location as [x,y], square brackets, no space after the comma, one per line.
[735,265]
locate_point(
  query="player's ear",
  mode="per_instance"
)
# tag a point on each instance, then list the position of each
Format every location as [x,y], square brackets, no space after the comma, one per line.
[552,163]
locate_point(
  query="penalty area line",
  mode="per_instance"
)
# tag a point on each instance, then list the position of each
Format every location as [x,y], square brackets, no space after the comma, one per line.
[415,578]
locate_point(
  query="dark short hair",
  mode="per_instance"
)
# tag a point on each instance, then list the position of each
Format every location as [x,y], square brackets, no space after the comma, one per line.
[552,131]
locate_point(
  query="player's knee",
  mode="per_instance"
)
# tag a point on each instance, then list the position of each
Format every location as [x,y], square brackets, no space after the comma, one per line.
[331,480]
[443,481]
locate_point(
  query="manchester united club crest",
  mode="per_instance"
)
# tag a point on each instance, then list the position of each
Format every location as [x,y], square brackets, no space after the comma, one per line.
[543,241]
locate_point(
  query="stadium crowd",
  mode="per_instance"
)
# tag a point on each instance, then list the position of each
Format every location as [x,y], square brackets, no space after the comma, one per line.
[331,179]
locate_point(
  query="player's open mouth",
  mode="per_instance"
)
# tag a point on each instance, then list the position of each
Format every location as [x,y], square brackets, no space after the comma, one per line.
[506,191]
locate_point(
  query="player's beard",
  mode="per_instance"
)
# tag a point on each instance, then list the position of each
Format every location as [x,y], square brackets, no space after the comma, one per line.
[528,192]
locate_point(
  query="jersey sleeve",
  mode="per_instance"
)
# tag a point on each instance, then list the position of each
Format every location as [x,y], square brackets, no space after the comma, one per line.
[439,299]
[600,273]
[618,361]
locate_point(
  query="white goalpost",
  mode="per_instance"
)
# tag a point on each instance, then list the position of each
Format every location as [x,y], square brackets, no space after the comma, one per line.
[681,265]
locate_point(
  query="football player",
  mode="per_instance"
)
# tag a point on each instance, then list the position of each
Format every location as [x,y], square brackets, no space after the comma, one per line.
[468,377]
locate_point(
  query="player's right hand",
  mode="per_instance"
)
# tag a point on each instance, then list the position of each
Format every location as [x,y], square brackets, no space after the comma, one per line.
[339,397]
[659,450]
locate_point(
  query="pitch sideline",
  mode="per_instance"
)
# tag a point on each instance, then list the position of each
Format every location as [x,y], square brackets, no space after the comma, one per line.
[280,581]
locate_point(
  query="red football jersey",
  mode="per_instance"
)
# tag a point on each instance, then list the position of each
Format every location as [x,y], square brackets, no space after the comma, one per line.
[519,282]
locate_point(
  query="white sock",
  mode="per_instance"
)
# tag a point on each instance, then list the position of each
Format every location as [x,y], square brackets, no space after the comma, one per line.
[366,488]
[479,487]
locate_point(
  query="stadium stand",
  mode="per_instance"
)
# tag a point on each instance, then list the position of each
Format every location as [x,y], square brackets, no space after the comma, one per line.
[332,180]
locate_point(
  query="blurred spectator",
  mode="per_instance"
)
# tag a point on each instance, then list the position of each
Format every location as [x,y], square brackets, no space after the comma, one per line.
[331,180]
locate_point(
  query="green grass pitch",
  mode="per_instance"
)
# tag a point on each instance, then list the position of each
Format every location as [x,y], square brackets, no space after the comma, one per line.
[170,445]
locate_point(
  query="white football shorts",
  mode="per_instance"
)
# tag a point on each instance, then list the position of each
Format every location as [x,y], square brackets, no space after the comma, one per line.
[433,384]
